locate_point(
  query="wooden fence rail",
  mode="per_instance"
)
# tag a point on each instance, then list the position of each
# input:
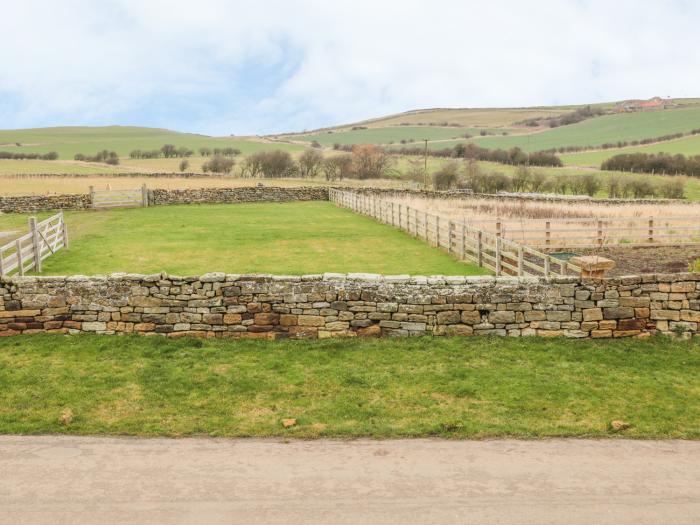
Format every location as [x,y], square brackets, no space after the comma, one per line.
[488,250]
[28,251]
[595,231]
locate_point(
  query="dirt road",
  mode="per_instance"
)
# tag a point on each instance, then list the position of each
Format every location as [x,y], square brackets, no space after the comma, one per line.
[106,480]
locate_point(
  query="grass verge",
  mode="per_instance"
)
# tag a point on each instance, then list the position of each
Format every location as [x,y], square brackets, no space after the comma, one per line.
[459,387]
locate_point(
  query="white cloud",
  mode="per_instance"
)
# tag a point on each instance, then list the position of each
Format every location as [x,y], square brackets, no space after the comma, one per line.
[207,66]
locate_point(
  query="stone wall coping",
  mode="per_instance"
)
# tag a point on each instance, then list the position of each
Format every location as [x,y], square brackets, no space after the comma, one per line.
[354,277]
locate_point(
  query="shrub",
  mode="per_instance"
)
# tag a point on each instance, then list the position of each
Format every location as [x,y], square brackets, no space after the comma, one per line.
[310,162]
[184,164]
[370,162]
[337,167]
[218,164]
[446,178]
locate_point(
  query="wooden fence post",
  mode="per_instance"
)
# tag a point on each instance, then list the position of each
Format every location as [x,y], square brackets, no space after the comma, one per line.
[546,266]
[498,227]
[400,225]
[480,249]
[437,231]
[425,225]
[36,244]
[651,229]
[600,232]
[520,261]
[144,195]
[547,232]
[18,248]
[498,256]
[450,230]
[64,231]
[464,243]
[2,264]
[393,221]
[92,196]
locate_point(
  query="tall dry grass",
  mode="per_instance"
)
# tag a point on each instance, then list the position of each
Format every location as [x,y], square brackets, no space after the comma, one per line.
[526,220]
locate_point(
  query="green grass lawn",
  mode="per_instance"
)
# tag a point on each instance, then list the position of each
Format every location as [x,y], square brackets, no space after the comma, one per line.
[459,387]
[67,141]
[287,238]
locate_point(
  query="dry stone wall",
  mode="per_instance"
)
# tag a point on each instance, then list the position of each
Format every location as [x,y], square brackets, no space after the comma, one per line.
[34,203]
[332,305]
[158,197]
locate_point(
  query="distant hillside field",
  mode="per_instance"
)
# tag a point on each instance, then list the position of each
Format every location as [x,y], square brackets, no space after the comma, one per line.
[67,141]
[600,130]
[395,134]
[475,118]
[685,146]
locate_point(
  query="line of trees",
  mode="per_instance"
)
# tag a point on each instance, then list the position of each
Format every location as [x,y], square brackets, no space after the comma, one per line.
[654,163]
[624,143]
[224,152]
[573,117]
[364,162]
[452,175]
[14,155]
[108,157]
[514,156]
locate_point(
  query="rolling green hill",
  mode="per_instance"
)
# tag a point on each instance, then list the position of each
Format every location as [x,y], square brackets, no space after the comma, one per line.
[600,130]
[396,134]
[67,141]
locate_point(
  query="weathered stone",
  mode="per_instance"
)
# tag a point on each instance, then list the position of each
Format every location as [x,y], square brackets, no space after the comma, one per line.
[623,312]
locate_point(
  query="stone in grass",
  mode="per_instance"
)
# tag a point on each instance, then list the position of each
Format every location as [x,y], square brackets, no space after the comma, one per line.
[618,425]
[286,423]
[66,417]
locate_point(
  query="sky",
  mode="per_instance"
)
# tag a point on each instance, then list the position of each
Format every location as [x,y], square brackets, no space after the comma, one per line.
[257,67]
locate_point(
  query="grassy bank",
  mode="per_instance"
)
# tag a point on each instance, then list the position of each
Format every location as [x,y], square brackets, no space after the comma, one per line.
[462,387]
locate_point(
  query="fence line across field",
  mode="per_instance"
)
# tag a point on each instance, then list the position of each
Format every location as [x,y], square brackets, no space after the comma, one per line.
[488,250]
[28,251]
[595,232]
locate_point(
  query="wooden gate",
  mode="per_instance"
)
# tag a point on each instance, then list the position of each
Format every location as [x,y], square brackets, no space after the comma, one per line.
[28,251]
[119,198]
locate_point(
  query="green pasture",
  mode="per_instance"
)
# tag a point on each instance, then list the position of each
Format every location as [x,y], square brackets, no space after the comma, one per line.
[414,135]
[286,238]
[474,387]
[601,130]
[688,146]
[67,141]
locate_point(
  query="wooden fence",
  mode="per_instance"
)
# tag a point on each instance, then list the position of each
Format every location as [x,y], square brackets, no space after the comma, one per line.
[28,251]
[488,250]
[119,198]
[595,232]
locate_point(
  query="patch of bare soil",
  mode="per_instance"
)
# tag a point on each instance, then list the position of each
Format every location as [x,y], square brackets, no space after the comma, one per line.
[642,259]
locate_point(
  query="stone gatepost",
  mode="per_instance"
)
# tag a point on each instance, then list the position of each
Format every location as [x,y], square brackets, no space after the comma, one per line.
[592,266]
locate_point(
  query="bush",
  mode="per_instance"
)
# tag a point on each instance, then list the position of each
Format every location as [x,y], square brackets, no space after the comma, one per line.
[184,164]
[218,164]
[108,157]
[446,178]
[271,164]
[310,162]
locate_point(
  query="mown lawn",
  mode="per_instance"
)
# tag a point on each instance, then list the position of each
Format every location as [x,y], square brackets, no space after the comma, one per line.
[459,387]
[288,238]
